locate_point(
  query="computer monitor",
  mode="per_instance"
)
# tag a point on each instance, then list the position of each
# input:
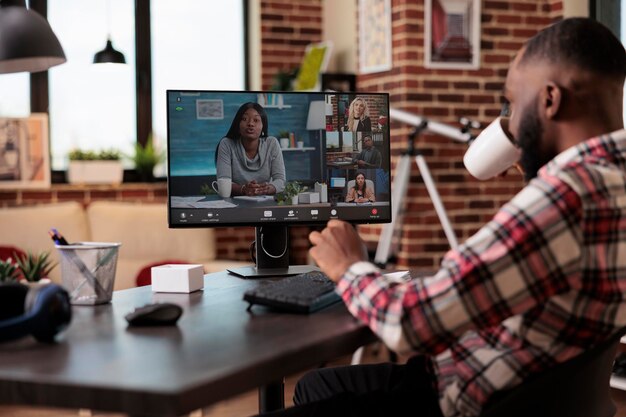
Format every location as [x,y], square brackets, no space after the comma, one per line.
[235,158]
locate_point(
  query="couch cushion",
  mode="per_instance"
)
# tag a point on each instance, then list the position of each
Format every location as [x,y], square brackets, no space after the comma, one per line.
[27,228]
[142,229]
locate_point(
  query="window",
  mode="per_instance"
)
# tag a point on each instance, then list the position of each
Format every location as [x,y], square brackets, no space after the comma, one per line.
[195,46]
[91,106]
[199,45]
[14,100]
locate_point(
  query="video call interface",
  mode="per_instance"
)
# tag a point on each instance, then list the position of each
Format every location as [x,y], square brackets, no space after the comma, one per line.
[246,158]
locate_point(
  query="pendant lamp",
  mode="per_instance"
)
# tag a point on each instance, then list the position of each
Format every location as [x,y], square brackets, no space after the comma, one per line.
[109,55]
[27,42]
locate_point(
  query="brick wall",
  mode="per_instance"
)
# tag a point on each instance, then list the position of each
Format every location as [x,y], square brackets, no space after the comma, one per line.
[444,96]
[287,26]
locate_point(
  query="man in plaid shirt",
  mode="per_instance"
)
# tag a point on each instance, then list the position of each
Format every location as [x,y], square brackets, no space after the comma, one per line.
[539,284]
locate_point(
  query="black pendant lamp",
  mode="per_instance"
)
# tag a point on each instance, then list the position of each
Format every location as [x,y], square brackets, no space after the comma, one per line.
[27,42]
[109,55]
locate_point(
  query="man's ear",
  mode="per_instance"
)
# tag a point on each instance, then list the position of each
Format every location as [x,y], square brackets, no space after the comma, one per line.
[552,96]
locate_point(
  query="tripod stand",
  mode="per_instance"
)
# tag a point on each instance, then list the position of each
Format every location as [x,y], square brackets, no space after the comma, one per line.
[403,174]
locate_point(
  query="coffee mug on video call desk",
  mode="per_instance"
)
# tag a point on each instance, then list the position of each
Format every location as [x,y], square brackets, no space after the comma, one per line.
[223,187]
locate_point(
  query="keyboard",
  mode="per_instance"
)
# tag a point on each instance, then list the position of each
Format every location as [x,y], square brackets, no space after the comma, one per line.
[302,293]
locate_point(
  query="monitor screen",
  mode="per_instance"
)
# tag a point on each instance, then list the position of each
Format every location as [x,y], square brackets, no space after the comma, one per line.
[260,158]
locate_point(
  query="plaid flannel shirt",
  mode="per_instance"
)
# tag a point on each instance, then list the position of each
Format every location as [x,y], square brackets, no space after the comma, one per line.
[543,281]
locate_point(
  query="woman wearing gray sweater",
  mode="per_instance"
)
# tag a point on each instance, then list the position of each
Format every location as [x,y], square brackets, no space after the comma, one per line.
[249,157]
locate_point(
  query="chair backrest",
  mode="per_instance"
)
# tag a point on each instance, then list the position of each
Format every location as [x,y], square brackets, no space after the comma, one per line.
[368,184]
[576,388]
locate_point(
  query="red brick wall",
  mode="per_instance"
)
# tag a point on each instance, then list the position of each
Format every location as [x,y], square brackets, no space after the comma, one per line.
[444,96]
[287,27]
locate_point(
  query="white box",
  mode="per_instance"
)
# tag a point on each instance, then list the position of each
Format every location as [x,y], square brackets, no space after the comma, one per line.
[183,278]
[308,198]
[322,189]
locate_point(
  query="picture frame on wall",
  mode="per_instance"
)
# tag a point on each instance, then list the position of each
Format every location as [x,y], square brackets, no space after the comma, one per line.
[314,63]
[24,152]
[375,47]
[452,34]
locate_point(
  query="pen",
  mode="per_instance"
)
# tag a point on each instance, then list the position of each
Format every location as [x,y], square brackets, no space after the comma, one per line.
[57,237]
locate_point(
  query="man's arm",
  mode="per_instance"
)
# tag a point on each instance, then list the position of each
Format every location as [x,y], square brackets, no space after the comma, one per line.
[525,255]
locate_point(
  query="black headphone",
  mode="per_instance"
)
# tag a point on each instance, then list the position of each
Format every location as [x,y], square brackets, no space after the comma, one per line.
[42,311]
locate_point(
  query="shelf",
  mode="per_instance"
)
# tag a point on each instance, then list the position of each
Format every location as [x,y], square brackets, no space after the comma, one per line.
[272,106]
[297,149]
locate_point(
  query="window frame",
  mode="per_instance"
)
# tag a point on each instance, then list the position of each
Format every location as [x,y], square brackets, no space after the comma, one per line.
[39,81]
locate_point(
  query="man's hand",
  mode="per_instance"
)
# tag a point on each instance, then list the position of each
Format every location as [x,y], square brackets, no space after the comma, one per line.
[336,248]
[361,163]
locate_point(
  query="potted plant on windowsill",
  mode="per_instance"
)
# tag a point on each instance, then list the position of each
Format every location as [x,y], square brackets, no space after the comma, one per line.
[145,158]
[91,167]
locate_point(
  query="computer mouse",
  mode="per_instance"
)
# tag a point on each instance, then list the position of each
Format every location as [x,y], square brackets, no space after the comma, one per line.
[157,314]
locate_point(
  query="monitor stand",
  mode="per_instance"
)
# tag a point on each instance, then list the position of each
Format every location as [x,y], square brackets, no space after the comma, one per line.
[272,255]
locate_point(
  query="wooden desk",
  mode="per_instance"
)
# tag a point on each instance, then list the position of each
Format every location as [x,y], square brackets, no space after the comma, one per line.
[217,350]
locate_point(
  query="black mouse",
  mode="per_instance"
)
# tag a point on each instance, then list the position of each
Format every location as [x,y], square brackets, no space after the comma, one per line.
[157,314]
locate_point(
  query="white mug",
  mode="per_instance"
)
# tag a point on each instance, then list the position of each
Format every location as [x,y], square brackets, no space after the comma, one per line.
[223,187]
[492,152]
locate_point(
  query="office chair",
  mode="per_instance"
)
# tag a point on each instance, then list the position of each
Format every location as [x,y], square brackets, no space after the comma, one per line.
[576,388]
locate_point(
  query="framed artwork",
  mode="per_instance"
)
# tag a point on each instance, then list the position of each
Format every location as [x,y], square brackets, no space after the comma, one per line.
[209,109]
[374,36]
[315,62]
[24,153]
[452,38]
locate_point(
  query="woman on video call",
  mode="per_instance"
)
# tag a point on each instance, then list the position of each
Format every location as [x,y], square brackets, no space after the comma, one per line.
[249,157]
[360,193]
[358,116]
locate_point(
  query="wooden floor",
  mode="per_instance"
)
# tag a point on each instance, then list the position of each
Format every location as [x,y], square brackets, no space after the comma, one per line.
[243,405]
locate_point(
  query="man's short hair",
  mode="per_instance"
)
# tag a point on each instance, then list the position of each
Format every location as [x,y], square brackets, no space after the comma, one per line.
[581,42]
[367,136]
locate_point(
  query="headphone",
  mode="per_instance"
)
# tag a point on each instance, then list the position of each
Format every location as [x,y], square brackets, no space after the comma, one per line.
[42,311]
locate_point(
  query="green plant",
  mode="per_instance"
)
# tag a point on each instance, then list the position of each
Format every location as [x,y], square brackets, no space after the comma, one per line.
[35,266]
[283,134]
[283,80]
[146,157]
[8,271]
[206,189]
[292,189]
[103,155]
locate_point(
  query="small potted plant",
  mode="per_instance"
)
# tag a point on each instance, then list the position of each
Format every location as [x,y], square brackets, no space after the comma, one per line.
[290,194]
[9,271]
[146,157]
[283,138]
[35,267]
[95,167]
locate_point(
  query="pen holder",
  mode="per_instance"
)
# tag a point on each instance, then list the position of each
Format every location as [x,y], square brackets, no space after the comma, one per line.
[88,271]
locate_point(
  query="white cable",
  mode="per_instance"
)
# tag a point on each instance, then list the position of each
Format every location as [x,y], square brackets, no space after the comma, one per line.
[269,254]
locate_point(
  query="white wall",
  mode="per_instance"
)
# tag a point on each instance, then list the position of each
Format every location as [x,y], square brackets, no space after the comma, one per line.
[254,44]
[575,8]
[339,25]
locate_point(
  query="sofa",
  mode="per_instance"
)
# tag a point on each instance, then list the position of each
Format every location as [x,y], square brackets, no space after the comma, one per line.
[140,228]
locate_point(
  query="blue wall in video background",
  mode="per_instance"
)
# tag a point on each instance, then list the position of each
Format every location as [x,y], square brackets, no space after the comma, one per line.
[192,141]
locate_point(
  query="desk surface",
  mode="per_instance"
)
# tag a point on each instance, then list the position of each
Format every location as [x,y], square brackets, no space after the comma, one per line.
[217,350]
